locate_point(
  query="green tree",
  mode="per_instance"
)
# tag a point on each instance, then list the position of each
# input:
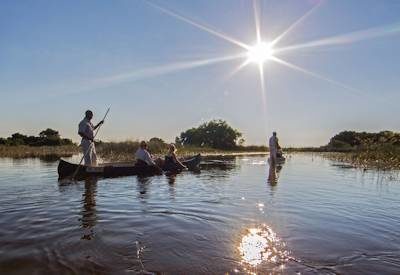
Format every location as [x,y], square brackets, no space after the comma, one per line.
[215,134]
[3,141]
[49,134]
[156,140]
[350,140]
[157,145]
[17,139]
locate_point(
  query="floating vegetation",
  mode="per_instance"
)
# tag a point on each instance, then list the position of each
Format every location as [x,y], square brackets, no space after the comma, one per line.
[384,158]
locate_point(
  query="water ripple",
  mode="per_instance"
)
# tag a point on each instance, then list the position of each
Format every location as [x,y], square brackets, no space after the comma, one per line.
[332,220]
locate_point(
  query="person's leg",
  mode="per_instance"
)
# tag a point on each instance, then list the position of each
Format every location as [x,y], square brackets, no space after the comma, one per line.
[272,157]
[86,158]
[89,152]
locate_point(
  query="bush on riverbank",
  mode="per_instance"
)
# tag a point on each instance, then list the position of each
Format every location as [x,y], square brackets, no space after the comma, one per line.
[48,137]
[361,149]
[217,134]
[348,141]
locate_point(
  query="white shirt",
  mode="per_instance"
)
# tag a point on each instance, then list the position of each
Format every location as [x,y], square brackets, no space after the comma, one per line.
[273,142]
[86,127]
[144,155]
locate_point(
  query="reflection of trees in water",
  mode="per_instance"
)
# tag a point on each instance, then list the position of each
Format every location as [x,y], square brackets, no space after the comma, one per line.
[218,166]
[89,217]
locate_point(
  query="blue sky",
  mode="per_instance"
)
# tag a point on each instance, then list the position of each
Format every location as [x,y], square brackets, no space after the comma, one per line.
[59,58]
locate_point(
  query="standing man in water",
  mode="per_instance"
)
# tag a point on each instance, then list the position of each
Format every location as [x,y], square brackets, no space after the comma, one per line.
[273,148]
[86,131]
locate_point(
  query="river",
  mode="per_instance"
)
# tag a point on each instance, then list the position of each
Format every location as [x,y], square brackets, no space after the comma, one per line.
[314,216]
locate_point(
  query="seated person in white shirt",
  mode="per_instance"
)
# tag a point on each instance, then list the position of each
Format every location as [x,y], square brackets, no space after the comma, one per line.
[143,156]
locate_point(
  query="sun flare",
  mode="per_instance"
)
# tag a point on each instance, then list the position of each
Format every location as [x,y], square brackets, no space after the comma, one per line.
[262,245]
[260,53]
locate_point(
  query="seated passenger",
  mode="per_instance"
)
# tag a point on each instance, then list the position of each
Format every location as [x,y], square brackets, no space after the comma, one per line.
[171,161]
[143,156]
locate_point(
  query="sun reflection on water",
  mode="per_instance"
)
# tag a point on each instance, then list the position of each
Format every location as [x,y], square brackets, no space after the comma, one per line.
[261,245]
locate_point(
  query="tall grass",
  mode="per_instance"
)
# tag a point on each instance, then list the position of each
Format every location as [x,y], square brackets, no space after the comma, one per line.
[379,156]
[384,157]
[124,151]
[117,151]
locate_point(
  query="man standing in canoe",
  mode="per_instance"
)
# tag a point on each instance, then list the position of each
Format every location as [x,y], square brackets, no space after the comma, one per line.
[273,148]
[86,131]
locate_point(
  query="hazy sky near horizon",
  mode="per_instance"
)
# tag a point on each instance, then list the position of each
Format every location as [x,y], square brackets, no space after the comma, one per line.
[162,75]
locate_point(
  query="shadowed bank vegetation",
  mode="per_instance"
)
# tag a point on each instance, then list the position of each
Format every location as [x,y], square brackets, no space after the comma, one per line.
[124,151]
[215,134]
[48,144]
[377,150]
[48,137]
[213,137]
[361,149]
[25,151]
[383,158]
[118,151]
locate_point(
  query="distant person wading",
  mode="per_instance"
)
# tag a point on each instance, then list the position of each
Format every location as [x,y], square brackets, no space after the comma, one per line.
[274,148]
[86,131]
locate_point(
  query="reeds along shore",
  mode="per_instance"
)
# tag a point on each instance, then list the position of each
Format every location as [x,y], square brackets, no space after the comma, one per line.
[124,151]
[115,151]
[377,157]
[382,158]
[24,151]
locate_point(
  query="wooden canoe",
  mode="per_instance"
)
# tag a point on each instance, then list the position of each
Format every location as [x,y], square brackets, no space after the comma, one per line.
[119,169]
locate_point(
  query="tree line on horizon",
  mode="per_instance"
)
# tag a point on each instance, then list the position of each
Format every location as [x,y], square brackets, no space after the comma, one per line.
[356,141]
[218,134]
[48,137]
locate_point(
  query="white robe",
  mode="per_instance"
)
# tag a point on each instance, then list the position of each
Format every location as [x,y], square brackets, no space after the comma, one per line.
[88,148]
[273,148]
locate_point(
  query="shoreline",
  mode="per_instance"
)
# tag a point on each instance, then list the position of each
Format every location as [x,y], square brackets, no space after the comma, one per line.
[25,151]
[377,159]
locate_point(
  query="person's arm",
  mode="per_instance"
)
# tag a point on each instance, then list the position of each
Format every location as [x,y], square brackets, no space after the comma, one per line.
[148,159]
[98,124]
[178,161]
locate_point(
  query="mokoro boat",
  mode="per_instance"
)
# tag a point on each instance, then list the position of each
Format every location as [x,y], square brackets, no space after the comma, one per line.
[109,170]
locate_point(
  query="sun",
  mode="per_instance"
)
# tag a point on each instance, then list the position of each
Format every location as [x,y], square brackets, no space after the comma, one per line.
[260,53]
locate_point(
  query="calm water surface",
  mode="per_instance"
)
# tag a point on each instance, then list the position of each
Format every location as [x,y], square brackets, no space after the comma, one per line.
[317,218]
